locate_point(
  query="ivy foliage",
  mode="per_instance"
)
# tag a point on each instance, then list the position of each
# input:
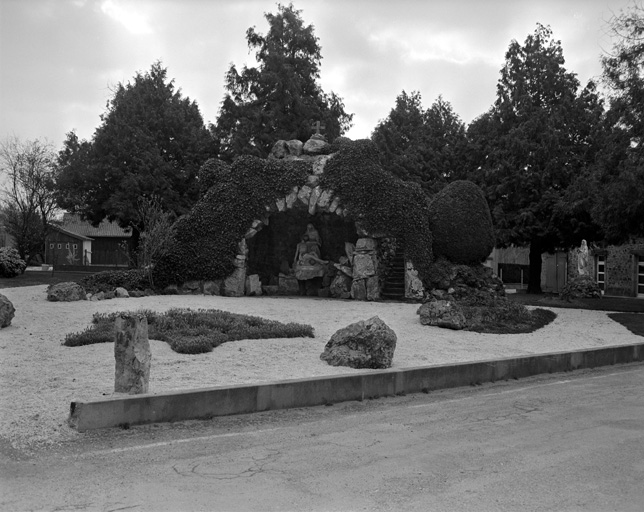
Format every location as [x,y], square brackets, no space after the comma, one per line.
[207,238]
[379,201]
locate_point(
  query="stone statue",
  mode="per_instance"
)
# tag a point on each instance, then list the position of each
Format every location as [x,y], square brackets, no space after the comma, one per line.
[582,259]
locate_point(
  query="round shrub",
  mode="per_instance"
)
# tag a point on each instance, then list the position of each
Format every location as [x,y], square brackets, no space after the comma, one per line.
[191,345]
[461,224]
[11,264]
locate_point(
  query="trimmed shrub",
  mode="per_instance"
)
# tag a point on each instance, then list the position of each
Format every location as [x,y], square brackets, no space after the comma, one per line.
[11,264]
[193,345]
[107,281]
[461,224]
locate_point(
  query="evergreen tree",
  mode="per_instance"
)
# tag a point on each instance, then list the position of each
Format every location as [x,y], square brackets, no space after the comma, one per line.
[280,98]
[619,173]
[425,146]
[151,142]
[532,145]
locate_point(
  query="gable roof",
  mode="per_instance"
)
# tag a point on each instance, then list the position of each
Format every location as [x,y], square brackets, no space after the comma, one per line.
[73,224]
[70,233]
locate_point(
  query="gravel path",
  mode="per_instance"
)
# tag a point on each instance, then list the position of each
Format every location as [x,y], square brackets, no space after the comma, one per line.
[40,376]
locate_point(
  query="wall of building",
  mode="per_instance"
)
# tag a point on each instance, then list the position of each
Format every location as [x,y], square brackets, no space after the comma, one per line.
[63,249]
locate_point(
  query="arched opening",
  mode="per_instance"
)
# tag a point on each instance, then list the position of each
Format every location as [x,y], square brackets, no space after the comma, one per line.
[272,250]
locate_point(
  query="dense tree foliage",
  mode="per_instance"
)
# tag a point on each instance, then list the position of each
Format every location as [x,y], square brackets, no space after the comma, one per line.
[151,142]
[619,173]
[280,98]
[28,203]
[428,147]
[532,145]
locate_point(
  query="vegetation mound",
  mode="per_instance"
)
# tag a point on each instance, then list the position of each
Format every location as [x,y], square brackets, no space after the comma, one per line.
[192,331]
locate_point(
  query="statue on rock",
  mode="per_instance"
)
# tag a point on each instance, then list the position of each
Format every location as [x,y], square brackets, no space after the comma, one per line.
[308,262]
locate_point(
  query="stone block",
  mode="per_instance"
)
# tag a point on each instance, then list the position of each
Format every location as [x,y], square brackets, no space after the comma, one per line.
[132,354]
[288,285]
[373,288]
[325,199]
[364,265]
[121,293]
[291,198]
[366,245]
[313,200]
[212,287]
[253,286]
[304,194]
[65,292]
[359,289]
[235,283]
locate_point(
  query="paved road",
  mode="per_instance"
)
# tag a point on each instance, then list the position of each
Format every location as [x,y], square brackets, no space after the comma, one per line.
[563,442]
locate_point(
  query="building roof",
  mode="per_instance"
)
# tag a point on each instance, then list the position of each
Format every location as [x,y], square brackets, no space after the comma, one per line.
[70,233]
[73,224]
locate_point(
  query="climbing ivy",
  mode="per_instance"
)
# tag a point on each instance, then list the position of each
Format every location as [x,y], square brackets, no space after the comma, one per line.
[207,238]
[380,201]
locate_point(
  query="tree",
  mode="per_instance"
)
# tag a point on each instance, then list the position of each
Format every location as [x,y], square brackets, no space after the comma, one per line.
[157,234]
[279,99]
[619,173]
[28,202]
[151,142]
[531,145]
[425,146]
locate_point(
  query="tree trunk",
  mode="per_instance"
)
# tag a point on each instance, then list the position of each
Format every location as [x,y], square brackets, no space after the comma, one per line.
[534,285]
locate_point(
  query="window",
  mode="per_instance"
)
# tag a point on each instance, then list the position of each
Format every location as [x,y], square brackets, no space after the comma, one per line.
[640,277]
[51,246]
[75,246]
[600,271]
[67,245]
[60,246]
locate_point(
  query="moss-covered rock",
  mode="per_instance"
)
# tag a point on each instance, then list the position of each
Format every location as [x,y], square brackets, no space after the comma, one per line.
[461,224]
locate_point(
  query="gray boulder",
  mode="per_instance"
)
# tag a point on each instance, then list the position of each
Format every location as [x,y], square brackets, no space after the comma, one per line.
[65,292]
[316,145]
[121,293]
[364,344]
[7,311]
[442,313]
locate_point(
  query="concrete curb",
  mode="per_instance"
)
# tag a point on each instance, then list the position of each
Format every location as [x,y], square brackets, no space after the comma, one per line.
[227,400]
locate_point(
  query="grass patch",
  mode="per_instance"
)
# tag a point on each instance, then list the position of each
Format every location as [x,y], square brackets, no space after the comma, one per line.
[192,331]
[632,321]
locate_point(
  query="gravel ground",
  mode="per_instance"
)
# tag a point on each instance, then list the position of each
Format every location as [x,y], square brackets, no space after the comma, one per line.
[40,376]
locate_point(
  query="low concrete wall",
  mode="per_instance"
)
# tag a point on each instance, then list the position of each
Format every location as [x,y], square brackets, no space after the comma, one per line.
[227,400]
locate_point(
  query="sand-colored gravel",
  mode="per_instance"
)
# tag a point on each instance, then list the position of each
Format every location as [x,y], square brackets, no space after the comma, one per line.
[40,376]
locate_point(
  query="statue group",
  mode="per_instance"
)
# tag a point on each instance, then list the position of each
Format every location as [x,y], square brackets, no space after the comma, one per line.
[308,262]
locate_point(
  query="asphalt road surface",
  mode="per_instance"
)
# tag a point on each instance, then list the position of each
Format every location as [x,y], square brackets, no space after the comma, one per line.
[562,442]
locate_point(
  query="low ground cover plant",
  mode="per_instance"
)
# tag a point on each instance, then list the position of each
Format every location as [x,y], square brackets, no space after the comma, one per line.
[192,331]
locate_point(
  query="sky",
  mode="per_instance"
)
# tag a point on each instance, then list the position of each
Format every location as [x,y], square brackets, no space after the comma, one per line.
[60,60]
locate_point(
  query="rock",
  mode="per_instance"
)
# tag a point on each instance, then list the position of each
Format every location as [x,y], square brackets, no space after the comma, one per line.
[212,287]
[279,150]
[316,145]
[366,245]
[171,289]
[7,311]
[191,287]
[294,147]
[98,296]
[270,289]
[235,283]
[253,286]
[110,295]
[373,288]
[341,286]
[132,354]
[65,292]
[364,265]
[288,285]
[137,293]
[359,289]
[121,293]
[442,313]
[414,288]
[364,344]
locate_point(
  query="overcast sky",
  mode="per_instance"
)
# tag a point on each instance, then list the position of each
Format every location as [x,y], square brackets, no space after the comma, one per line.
[60,59]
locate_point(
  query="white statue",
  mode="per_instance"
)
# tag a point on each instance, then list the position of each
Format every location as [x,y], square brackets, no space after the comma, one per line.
[582,259]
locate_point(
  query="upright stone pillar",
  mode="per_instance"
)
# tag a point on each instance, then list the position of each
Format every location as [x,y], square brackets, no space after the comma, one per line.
[132,354]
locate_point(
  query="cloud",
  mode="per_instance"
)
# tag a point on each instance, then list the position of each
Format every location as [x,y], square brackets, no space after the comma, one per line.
[133,21]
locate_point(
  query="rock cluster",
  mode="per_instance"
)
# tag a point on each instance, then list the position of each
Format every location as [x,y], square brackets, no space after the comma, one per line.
[65,292]
[364,344]
[442,313]
[7,311]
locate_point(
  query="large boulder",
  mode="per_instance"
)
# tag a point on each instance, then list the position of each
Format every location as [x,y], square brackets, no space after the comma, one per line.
[65,292]
[442,313]
[461,224]
[364,344]
[7,311]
